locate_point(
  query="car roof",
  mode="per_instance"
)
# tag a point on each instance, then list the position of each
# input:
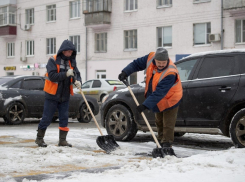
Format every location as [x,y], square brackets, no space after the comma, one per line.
[214,52]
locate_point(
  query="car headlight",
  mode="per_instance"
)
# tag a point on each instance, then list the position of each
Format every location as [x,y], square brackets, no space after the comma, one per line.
[104,99]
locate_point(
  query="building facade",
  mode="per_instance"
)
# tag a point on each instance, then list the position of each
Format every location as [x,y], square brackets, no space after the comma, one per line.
[109,34]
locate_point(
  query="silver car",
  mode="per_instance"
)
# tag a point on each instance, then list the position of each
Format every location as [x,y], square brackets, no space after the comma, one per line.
[98,88]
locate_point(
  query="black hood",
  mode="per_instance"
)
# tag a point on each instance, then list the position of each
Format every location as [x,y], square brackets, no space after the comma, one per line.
[65,46]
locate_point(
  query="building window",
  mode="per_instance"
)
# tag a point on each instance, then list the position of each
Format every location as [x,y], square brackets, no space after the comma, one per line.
[51,45]
[240,31]
[101,42]
[76,41]
[131,5]
[30,16]
[7,15]
[10,49]
[201,1]
[130,39]
[51,13]
[201,33]
[96,5]
[164,3]
[164,36]
[75,9]
[30,48]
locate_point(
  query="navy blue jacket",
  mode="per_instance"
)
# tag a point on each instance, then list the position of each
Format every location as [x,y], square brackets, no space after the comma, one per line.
[152,98]
[63,91]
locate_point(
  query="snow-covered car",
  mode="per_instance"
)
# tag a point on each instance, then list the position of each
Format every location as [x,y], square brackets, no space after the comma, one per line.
[23,97]
[213,99]
[98,88]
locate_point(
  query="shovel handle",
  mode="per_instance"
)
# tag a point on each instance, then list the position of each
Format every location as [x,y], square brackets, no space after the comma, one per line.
[84,98]
[143,115]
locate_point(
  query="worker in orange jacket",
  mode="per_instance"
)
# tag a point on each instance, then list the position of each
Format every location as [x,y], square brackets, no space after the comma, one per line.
[58,88]
[163,92]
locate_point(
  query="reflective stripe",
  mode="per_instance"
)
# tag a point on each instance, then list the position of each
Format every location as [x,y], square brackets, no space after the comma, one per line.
[62,66]
[47,78]
[163,73]
[149,62]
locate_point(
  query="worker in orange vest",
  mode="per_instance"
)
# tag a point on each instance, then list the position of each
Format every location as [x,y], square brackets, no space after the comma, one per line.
[58,88]
[163,92]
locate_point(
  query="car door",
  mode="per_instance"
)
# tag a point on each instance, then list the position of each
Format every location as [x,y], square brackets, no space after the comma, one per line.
[96,89]
[211,90]
[186,70]
[33,94]
[86,87]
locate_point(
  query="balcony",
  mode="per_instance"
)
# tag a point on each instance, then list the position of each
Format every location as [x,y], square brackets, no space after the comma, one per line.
[97,13]
[235,7]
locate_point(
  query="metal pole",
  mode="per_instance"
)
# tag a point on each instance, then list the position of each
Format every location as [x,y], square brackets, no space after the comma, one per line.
[222,29]
[86,54]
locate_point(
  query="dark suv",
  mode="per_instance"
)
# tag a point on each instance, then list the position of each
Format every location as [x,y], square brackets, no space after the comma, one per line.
[213,99]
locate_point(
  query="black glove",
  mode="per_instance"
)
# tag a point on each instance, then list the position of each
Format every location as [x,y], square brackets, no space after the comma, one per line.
[141,108]
[122,76]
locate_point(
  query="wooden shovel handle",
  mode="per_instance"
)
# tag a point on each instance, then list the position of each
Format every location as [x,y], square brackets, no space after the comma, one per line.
[143,115]
[84,98]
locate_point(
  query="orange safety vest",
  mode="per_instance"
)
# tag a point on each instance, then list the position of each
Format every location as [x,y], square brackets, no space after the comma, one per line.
[174,94]
[52,87]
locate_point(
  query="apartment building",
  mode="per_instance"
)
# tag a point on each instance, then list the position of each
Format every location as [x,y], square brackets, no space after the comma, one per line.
[109,34]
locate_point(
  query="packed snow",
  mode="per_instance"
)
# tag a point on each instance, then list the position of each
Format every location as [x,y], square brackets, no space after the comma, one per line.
[21,159]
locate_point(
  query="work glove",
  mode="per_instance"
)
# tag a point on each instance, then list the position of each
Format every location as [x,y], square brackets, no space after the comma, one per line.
[141,108]
[122,76]
[69,73]
[78,84]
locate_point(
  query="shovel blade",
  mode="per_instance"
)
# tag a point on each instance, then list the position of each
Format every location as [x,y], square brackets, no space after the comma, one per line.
[107,143]
[158,152]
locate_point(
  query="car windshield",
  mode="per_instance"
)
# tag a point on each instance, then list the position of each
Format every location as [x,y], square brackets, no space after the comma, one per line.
[4,80]
[114,82]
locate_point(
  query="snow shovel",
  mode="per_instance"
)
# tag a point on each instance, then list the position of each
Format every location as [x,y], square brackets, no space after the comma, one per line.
[105,142]
[157,152]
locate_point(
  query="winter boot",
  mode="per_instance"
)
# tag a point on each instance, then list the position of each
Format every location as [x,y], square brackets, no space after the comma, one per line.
[167,148]
[39,140]
[63,141]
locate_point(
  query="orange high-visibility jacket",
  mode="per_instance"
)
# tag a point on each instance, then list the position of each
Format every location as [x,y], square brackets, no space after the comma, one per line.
[51,87]
[174,94]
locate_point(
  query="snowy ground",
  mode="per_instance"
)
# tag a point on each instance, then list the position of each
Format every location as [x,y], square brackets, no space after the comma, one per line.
[21,160]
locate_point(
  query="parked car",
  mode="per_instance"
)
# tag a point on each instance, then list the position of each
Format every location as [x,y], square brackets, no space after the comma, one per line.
[98,88]
[23,97]
[213,99]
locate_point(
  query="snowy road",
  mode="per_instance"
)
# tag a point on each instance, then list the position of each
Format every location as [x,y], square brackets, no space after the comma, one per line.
[22,160]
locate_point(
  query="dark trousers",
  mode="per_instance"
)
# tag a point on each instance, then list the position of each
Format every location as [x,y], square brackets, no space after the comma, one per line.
[50,107]
[165,122]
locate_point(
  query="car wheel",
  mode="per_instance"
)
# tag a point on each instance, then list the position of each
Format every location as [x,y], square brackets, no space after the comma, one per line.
[102,96]
[237,129]
[120,123]
[179,134]
[85,115]
[15,114]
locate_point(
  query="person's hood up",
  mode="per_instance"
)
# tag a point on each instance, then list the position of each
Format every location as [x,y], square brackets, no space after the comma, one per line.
[67,45]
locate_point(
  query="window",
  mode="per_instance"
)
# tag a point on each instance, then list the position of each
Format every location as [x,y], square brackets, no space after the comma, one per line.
[240,31]
[131,5]
[101,74]
[75,9]
[164,3]
[7,15]
[51,13]
[201,33]
[16,85]
[30,48]
[10,49]
[164,36]
[130,37]
[216,67]
[36,84]
[96,84]
[51,45]
[30,16]
[201,1]
[96,5]
[87,84]
[101,42]
[185,69]
[76,41]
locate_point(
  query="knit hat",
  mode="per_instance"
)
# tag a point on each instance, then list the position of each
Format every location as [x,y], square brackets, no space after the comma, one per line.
[161,54]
